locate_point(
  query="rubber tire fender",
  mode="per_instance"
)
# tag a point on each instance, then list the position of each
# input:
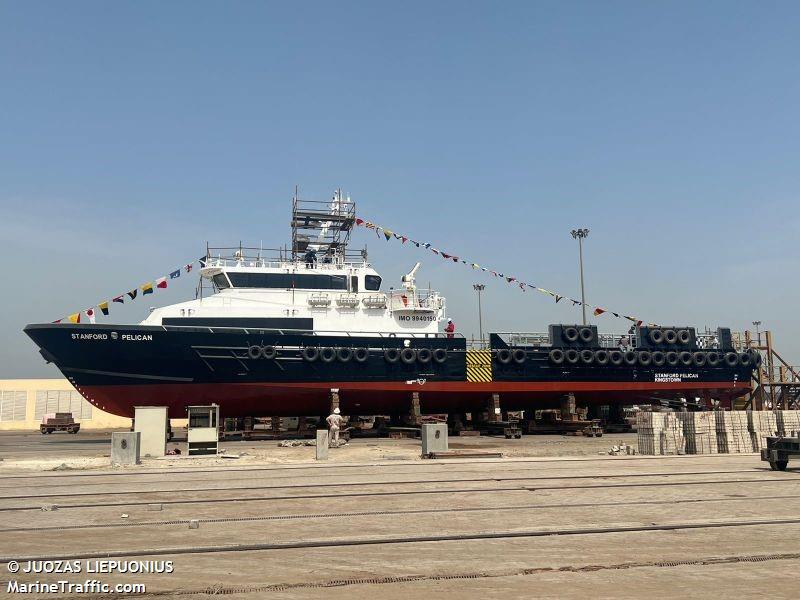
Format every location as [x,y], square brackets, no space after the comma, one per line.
[254,352]
[556,356]
[391,355]
[587,356]
[644,357]
[630,357]
[731,359]
[712,359]
[586,334]
[615,357]
[745,359]
[658,358]
[757,360]
[268,352]
[440,355]
[699,359]
[519,356]
[601,357]
[686,358]
[572,356]
[361,355]
[504,356]
[670,336]
[672,359]
[344,354]
[656,336]
[570,334]
[327,354]
[310,353]
[424,355]
[408,355]
[684,337]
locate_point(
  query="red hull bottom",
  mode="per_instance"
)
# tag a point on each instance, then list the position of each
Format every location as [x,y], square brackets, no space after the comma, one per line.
[362,398]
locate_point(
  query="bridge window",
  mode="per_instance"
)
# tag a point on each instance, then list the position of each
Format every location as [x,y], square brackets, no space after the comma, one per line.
[372,283]
[221,281]
[286,281]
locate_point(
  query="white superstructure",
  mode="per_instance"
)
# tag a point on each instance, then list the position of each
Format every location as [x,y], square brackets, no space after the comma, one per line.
[338,296]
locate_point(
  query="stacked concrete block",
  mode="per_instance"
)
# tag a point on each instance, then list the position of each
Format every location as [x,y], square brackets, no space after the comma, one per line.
[763,424]
[789,422]
[733,432]
[659,433]
[700,430]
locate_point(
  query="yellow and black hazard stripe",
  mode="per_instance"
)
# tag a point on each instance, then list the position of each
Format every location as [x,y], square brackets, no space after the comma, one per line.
[479,365]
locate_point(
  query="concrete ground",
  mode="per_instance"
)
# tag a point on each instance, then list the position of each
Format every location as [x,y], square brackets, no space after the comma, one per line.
[274,524]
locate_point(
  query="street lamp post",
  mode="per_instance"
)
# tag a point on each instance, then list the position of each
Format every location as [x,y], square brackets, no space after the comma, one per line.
[757,324]
[580,235]
[479,287]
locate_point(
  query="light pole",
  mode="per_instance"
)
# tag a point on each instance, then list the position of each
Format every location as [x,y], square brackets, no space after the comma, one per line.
[580,235]
[479,287]
[757,324]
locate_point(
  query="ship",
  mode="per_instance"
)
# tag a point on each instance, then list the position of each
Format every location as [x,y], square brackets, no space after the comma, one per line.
[282,332]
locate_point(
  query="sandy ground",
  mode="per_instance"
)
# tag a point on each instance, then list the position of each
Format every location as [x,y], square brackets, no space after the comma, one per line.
[90,450]
[377,521]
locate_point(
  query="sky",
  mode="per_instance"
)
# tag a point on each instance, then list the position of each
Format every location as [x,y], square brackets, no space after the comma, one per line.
[132,133]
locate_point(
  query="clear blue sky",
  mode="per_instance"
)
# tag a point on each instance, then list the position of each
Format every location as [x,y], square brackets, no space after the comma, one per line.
[131,133]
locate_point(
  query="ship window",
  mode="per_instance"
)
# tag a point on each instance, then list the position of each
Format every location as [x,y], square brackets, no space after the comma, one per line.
[287,281]
[372,283]
[221,281]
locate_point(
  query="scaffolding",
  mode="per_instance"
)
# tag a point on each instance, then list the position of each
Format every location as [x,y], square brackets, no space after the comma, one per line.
[323,228]
[776,383]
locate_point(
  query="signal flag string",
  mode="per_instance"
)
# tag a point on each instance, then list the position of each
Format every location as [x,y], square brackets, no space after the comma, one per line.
[524,286]
[146,288]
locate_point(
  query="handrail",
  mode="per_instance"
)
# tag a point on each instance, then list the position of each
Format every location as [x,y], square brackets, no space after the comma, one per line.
[284,331]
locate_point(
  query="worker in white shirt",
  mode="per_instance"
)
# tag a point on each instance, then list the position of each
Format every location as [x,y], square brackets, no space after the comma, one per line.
[335,421]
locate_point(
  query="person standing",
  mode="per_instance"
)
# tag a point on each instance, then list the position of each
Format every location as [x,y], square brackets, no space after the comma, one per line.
[334,421]
[450,328]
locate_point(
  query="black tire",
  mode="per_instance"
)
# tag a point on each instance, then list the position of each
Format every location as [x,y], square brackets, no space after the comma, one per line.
[519,355]
[778,465]
[686,358]
[586,334]
[672,359]
[327,354]
[670,336]
[570,334]
[310,353]
[684,337]
[440,355]
[699,359]
[630,357]
[656,336]
[254,352]
[615,357]
[731,359]
[587,356]
[757,360]
[659,358]
[572,356]
[644,357]
[601,357]
[504,356]
[344,354]
[268,352]
[408,355]
[391,355]
[424,355]
[712,359]
[745,359]
[556,356]
[361,355]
